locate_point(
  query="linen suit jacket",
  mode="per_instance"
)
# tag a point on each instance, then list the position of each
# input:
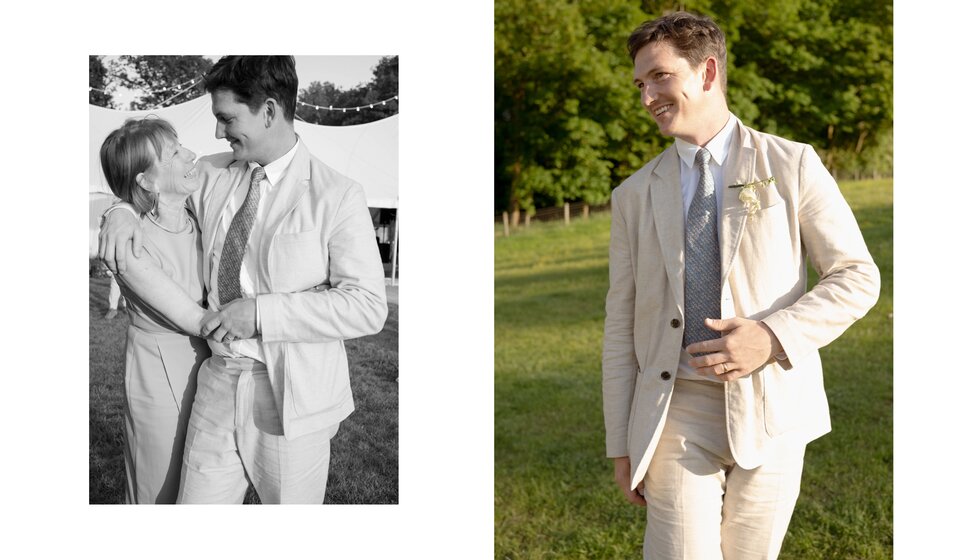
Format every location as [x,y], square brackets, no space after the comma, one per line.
[763,257]
[318,230]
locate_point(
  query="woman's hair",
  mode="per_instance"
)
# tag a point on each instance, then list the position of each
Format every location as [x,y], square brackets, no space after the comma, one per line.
[253,79]
[126,153]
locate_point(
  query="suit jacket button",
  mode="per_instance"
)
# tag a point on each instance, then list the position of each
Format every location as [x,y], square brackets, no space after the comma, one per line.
[665,375]
[675,323]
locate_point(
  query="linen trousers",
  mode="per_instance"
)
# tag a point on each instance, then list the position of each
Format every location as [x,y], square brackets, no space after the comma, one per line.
[700,504]
[160,379]
[235,436]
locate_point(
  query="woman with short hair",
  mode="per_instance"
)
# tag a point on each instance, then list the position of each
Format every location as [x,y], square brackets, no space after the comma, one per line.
[145,165]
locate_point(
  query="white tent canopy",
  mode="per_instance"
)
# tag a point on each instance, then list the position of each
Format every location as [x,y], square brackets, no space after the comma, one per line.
[367,153]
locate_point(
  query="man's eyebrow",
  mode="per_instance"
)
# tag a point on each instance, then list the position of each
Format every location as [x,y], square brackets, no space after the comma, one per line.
[649,72]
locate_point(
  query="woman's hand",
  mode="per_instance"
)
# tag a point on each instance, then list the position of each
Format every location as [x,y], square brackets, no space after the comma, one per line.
[235,322]
[207,318]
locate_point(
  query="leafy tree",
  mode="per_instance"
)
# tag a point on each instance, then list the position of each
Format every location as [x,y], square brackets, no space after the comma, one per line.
[161,79]
[383,86]
[98,79]
[821,73]
[562,89]
[569,125]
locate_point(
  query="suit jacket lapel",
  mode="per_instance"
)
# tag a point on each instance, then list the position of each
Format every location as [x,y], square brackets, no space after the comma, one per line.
[294,183]
[668,214]
[229,178]
[740,169]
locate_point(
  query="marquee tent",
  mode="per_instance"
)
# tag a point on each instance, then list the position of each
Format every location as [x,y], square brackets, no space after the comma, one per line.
[367,153]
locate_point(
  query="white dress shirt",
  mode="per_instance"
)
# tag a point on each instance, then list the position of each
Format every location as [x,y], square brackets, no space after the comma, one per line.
[719,148]
[249,348]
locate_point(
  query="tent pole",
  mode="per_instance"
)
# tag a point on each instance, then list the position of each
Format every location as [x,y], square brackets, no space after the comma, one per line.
[394,251]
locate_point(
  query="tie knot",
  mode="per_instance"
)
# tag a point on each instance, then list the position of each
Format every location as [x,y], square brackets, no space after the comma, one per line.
[702,158]
[258,174]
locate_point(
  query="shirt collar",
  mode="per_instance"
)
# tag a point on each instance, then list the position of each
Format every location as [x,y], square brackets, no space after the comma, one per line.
[275,170]
[717,146]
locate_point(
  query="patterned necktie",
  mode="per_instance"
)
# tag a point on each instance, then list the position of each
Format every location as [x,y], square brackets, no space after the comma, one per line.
[702,263]
[229,269]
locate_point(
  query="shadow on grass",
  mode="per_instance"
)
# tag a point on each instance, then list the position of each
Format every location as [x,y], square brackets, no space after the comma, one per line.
[363,454]
[554,493]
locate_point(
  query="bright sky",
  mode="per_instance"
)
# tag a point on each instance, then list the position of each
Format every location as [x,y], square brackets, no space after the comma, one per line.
[345,72]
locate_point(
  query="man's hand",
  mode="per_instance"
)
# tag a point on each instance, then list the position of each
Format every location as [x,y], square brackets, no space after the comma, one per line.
[235,322]
[120,233]
[621,471]
[745,346]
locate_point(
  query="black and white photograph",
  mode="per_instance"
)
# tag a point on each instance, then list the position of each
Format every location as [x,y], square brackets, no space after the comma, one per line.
[243,300]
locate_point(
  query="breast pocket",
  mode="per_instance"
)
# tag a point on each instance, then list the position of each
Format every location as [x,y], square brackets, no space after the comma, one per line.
[298,261]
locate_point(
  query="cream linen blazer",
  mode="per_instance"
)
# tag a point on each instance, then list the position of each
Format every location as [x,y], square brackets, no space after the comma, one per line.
[318,230]
[763,256]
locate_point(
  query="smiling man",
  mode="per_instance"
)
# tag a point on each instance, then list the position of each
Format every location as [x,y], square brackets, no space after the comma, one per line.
[712,383]
[293,268]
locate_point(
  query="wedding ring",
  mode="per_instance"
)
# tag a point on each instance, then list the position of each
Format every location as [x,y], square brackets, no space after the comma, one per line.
[725,367]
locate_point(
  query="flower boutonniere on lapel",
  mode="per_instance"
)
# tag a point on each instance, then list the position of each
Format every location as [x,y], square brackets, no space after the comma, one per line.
[749,195]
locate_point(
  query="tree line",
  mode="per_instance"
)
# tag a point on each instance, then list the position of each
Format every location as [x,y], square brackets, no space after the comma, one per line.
[570,127]
[160,80]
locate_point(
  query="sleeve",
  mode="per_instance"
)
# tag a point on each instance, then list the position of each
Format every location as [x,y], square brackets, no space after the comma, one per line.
[164,300]
[849,279]
[619,364]
[116,206]
[355,303]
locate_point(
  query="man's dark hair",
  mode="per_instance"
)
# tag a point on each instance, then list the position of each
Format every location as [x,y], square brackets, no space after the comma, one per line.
[694,37]
[253,79]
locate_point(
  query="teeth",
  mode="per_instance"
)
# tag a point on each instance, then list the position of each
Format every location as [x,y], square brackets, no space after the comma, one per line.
[662,110]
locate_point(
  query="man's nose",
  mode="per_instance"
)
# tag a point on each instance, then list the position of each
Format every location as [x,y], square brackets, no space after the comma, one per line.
[219,131]
[647,96]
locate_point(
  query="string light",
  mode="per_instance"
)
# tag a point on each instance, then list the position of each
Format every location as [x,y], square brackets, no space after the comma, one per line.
[194,82]
[344,109]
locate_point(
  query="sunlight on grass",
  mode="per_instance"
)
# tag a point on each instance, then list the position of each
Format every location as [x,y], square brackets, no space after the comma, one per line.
[363,454]
[554,493]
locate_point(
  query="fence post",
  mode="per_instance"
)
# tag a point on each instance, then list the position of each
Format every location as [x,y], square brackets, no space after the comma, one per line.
[527,219]
[506,224]
[567,215]
[585,212]
[515,218]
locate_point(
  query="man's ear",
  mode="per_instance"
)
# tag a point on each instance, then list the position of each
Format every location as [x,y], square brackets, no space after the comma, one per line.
[272,109]
[710,73]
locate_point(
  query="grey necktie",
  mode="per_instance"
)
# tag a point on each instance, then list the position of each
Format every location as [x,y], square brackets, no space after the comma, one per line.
[702,263]
[229,269]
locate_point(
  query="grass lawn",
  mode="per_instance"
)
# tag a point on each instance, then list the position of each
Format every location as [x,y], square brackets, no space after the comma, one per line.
[554,495]
[363,454]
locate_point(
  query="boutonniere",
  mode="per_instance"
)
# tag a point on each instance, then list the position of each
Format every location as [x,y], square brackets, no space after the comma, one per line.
[750,196]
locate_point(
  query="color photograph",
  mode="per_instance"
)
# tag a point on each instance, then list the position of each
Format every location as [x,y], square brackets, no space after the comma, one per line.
[693,280]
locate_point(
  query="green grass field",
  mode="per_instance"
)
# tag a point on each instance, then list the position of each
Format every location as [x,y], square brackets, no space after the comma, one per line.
[363,454]
[554,493]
